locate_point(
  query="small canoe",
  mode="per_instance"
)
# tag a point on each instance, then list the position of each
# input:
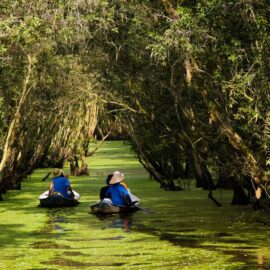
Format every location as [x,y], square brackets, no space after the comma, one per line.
[57,200]
[106,206]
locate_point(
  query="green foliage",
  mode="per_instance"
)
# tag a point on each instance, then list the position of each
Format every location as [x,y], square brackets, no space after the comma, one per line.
[44,87]
[158,69]
[214,54]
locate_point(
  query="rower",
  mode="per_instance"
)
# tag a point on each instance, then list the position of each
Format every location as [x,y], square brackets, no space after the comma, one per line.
[60,185]
[118,194]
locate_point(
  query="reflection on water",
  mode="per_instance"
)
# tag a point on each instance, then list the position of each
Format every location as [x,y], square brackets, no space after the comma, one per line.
[57,217]
[263,260]
[49,245]
[54,228]
[121,221]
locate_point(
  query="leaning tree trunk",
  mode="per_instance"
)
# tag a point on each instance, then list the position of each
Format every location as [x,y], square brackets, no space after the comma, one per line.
[91,120]
[202,174]
[144,160]
[251,166]
[10,152]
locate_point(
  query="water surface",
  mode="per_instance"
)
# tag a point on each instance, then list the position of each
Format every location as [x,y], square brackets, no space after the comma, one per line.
[186,231]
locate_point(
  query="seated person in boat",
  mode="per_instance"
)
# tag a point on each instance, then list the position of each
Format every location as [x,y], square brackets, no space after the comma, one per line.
[118,193]
[103,190]
[60,184]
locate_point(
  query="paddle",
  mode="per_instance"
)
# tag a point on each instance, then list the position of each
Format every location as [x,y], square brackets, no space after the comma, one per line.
[138,207]
[45,177]
[144,209]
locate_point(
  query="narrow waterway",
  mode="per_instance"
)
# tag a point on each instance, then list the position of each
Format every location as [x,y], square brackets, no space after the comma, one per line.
[185,230]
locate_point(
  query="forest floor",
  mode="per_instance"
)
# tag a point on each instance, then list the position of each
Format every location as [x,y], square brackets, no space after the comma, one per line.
[186,230]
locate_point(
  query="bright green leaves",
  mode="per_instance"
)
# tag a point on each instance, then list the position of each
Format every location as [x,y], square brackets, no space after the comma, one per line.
[158,66]
[27,30]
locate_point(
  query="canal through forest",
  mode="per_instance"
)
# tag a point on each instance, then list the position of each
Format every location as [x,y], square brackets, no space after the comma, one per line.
[185,230]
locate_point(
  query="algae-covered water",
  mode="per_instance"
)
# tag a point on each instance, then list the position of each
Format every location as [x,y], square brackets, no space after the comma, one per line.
[186,231]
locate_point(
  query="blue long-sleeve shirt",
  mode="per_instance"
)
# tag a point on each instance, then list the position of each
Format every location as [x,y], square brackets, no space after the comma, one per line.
[61,184]
[118,194]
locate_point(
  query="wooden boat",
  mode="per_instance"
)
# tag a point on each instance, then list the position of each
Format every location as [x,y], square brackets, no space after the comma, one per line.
[106,206]
[57,200]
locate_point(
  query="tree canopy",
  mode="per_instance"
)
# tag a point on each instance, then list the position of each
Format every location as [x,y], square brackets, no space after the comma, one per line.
[186,82]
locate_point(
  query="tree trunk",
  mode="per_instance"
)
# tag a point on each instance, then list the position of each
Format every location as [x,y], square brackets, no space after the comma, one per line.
[188,168]
[10,152]
[84,167]
[170,10]
[91,122]
[250,163]
[76,165]
[223,178]
[202,174]
[239,195]
[99,144]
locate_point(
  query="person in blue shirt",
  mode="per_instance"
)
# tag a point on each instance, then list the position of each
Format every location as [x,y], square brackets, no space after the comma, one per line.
[60,184]
[118,193]
[103,190]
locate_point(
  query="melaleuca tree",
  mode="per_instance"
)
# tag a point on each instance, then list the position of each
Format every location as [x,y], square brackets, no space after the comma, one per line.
[210,60]
[150,89]
[187,81]
[44,89]
[222,57]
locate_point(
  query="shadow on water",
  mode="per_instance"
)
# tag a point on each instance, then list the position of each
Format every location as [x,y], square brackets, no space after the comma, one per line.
[239,249]
[238,253]
[72,263]
[10,229]
[228,243]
